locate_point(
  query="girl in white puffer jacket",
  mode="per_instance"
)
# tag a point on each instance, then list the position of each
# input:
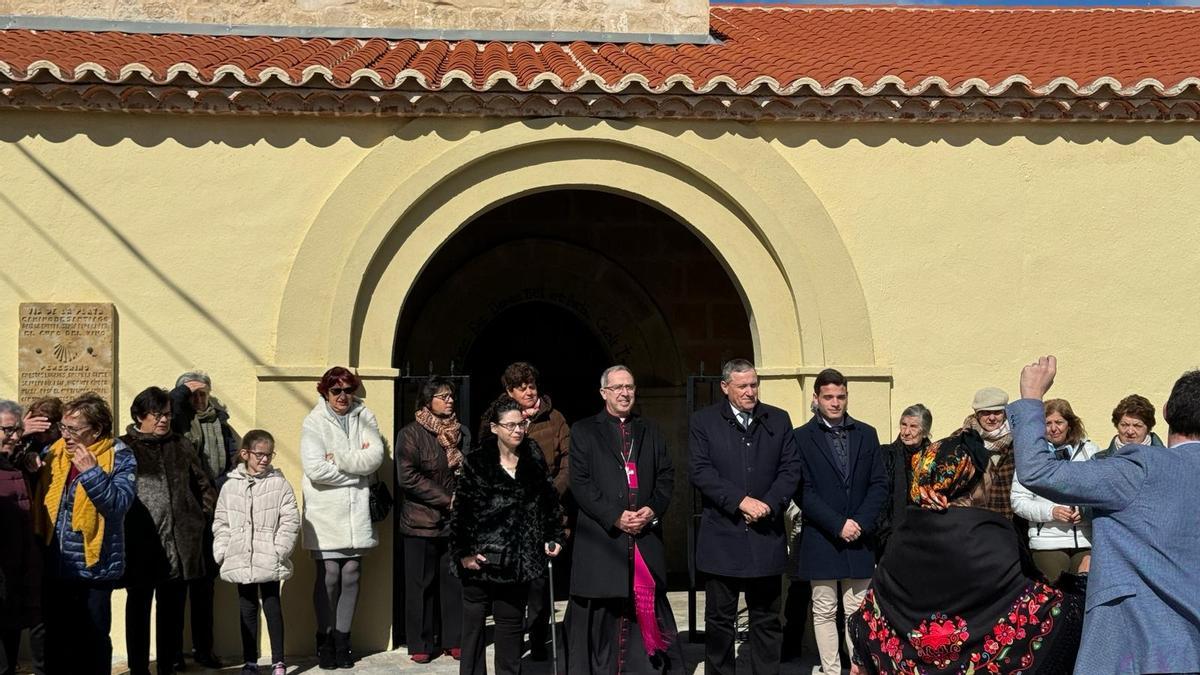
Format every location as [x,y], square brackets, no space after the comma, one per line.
[254,532]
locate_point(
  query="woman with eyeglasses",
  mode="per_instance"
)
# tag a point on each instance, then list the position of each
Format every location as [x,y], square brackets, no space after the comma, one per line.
[550,430]
[85,489]
[506,520]
[429,459]
[340,448]
[164,531]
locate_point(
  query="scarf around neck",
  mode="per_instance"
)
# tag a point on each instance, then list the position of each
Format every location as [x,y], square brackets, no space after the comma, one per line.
[208,437]
[998,440]
[85,519]
[530,413]
[448,432]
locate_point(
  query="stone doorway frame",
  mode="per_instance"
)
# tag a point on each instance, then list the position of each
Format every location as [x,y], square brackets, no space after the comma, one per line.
[762,222]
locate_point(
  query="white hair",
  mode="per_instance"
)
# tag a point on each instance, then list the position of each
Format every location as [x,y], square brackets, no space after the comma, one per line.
[610,370]
[194,376]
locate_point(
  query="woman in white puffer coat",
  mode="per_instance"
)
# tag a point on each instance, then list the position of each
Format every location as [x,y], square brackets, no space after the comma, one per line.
[340,448]
[1060,535]
[254,531]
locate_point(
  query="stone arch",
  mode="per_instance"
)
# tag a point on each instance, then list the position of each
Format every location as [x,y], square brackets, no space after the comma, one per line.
[757,215]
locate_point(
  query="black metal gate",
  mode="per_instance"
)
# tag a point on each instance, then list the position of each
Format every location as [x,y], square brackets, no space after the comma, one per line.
[702,390]
[408,390]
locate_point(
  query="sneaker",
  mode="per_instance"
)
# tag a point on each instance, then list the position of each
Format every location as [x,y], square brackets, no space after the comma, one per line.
[250,669]
[455,653]
[278,669]
[421,658]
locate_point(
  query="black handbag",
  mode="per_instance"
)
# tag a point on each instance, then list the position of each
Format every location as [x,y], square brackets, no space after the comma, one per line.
[381,501]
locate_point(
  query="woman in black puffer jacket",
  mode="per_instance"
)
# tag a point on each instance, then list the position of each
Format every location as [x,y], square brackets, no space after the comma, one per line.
[506,520]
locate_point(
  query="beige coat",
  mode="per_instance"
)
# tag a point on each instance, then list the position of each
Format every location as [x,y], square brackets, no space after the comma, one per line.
[255,527]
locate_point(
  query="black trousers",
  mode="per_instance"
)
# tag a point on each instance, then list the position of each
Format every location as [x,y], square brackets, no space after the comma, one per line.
[538,621]
[10,645]
[248,598]
[200,597]
[78,623]
[507,602]
[795,616]
[168,625]
[433,602]
[763,596]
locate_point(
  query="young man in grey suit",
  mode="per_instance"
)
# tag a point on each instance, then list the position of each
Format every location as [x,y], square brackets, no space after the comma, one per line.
[1143,599]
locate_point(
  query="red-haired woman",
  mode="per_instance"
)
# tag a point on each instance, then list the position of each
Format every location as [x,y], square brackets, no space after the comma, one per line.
[340,447]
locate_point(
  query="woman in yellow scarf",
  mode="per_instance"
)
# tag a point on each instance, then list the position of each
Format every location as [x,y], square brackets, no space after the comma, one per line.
[85,489]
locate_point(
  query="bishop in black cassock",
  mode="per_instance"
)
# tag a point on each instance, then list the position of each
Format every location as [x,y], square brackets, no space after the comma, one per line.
[618,620]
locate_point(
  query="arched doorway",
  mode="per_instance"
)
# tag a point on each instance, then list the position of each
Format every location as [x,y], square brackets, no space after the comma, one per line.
[367,258]
[574,281]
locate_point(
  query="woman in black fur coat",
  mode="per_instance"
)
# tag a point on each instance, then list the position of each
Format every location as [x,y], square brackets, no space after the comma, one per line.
[506,519]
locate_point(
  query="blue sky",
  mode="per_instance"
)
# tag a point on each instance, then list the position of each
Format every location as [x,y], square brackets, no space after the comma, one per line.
[1009,3]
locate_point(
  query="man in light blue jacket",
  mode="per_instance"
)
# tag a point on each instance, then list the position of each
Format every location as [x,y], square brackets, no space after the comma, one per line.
[1143,599]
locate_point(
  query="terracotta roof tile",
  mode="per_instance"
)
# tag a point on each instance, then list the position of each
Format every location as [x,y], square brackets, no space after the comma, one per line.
[759,50]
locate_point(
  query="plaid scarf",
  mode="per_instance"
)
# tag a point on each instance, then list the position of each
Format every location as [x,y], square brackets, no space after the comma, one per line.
[448,432]
[1001,466]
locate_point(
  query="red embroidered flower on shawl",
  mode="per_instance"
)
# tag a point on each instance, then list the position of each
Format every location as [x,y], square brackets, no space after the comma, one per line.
[939,640]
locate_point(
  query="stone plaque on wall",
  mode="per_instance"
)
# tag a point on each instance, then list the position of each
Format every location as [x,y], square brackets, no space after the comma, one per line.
[66,349]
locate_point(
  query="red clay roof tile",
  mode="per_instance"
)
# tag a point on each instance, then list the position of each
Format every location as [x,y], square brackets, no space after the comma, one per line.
[781,50]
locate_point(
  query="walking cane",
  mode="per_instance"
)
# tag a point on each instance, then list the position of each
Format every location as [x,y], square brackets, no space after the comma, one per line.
[553,613]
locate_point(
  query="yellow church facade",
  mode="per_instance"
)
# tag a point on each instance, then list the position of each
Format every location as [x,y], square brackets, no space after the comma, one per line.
[924,252]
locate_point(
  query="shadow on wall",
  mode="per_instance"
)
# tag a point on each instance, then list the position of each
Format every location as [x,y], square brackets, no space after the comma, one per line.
[198,130]
[127,310]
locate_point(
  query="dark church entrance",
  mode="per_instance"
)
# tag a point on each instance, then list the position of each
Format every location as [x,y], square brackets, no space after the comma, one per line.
[564,349]
[574,281]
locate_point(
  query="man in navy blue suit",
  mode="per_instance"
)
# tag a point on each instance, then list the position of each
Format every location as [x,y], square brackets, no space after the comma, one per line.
[843,489]
[744,464]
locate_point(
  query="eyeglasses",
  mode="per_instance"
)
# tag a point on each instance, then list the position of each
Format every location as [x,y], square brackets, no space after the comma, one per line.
[264,456]
[513,426]
[161,414]
[338,391]
[74,432]
[10,431]
[444,397]
[621,387]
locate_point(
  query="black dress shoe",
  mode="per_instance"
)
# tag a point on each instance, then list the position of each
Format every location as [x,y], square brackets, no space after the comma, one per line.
[179,664]
[207,659]
[538,653]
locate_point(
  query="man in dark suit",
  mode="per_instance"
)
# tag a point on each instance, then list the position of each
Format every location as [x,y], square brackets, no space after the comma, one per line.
[621,475]
[744,464]
[843,490]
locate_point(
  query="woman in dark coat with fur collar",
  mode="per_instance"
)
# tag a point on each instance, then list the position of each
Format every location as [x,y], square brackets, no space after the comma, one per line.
[165,528]
[506,520]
